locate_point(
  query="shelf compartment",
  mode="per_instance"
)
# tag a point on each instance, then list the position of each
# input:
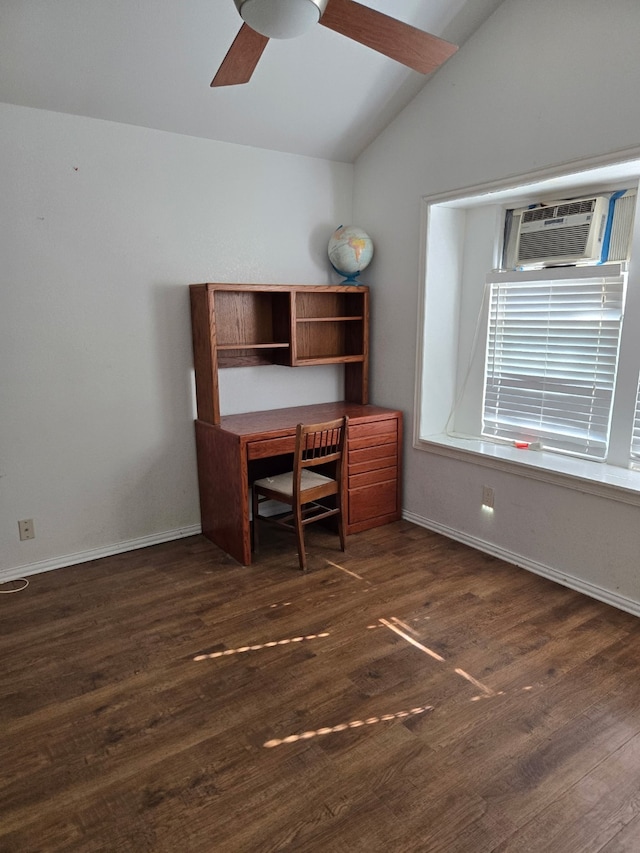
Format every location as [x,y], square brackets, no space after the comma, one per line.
[329,339]
[330,325]
[318,304]
[253,327]
[248,318]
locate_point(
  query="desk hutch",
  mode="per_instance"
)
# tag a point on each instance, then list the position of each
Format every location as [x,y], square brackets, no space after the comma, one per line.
[235,325]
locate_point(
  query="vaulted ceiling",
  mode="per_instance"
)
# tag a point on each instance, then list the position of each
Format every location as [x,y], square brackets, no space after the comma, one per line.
[150,62]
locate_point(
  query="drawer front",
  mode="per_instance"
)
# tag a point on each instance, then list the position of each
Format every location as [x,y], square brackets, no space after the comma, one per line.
[369,502]
[373,428]
[372,434]
[370,458]
[271,447]
[369,478]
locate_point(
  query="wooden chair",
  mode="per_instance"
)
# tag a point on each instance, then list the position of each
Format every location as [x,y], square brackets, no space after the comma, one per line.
[303,488]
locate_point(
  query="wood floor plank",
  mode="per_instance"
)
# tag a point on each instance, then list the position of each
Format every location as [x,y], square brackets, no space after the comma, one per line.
[590,815]
[627,840]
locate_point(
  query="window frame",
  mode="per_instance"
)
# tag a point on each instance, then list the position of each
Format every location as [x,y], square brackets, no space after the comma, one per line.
[438,374]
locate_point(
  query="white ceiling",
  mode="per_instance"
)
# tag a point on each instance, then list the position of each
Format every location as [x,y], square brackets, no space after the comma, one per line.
[150,62]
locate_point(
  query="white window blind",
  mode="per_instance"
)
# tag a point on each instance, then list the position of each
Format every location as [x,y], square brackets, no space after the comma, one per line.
[552,356]
[635,440]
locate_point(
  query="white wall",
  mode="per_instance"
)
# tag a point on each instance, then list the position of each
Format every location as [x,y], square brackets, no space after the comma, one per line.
[540,84]
[102,227]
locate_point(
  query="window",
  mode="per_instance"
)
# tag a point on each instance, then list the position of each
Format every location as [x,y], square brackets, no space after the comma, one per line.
[552,355]
[548,356]
[635,440]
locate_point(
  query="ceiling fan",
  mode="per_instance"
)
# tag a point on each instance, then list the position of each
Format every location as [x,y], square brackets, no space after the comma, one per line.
[265,19]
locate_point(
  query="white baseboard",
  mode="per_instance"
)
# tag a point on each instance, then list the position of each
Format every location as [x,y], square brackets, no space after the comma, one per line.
[577,584]
[592,590]
[97,553]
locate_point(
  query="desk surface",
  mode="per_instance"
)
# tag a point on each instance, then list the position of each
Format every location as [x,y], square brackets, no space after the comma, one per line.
[284,421]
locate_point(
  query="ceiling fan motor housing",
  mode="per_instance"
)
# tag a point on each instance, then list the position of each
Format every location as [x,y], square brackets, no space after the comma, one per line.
[281,19]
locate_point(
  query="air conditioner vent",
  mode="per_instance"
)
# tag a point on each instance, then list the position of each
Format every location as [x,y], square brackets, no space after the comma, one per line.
[556,243]
[567,208]
[622,228]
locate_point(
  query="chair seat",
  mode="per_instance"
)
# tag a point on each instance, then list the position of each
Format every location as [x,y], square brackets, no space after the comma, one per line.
[283,483]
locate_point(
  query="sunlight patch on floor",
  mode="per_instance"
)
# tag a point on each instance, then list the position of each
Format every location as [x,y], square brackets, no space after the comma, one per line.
[411,640]
[341,727]
[259,646]
[347,571]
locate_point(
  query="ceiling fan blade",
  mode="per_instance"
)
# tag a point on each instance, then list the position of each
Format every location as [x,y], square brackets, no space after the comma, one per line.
[406,44]
[241,59]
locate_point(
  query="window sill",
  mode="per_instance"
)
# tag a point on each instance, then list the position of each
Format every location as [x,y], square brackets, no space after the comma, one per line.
[596,478]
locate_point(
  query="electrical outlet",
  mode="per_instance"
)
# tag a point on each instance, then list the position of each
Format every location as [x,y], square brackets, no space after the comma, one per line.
[487,496]
[26,529]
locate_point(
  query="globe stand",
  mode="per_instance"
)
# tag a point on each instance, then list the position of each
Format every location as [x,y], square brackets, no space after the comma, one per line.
[351,278]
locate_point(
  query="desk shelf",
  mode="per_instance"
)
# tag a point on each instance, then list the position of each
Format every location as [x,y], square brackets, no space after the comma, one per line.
[270,345]
[328,319]
[343,359]
[249,355]
[236,325]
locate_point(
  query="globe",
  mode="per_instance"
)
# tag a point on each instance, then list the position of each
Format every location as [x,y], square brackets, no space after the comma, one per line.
[350,251]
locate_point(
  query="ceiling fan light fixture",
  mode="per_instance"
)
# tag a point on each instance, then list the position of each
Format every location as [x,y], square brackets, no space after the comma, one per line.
[281,19]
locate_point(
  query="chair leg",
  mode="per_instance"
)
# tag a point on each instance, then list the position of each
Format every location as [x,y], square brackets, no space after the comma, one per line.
[341,532]
[302,556]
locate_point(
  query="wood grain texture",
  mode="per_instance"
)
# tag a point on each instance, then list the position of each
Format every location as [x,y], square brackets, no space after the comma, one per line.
[424,698]
[406,44]
[205,357]
[272,422]
[241,59]
[224,490]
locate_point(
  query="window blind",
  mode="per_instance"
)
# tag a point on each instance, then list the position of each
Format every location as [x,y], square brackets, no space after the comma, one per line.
[551,360]
[635,439]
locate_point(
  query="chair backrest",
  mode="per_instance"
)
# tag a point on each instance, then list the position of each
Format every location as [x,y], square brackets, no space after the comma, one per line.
[317,444]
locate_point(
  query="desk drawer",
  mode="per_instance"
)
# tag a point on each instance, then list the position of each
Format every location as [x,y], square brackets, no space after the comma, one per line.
[370,458]
[271,447]
[371,502]
[369,478]
[372,434]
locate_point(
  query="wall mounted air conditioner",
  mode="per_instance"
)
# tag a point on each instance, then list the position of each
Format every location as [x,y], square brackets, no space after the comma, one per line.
[570,231]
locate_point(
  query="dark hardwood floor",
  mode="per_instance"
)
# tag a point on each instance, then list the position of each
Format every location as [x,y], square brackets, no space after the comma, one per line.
[409,696]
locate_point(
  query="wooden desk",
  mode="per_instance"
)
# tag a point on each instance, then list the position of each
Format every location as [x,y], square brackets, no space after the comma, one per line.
[242,448]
